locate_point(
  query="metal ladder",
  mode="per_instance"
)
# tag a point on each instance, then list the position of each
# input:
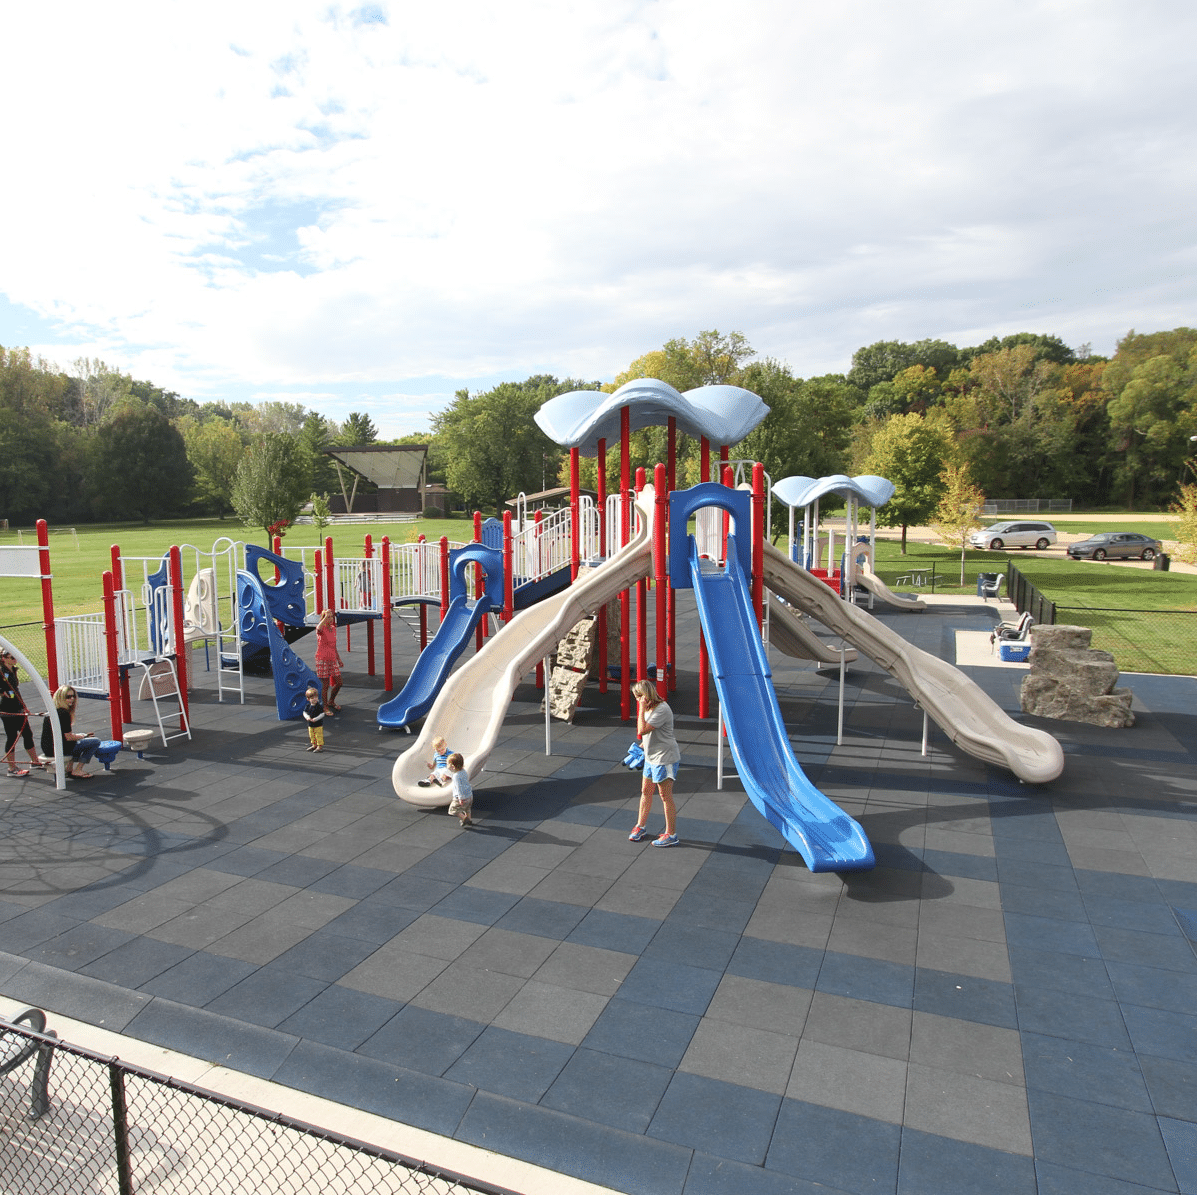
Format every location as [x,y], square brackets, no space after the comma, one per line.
[161,681]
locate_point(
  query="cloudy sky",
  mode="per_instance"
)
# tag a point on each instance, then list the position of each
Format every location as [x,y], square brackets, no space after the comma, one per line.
[369,207]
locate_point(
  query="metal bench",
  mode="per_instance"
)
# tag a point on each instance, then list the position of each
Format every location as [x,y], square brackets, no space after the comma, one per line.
[15,1048]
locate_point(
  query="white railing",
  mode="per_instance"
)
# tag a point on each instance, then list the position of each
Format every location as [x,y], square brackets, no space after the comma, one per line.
[358,585]
[82,658]
[416,570]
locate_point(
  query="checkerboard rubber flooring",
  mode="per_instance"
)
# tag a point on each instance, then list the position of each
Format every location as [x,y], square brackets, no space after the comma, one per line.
[1007,1004]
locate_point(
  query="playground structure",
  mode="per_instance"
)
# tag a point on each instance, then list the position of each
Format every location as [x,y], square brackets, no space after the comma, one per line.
[728,562]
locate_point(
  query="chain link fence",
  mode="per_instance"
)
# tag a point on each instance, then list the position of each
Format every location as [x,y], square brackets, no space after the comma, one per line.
[1163,641]
[74,1122]
[29,638]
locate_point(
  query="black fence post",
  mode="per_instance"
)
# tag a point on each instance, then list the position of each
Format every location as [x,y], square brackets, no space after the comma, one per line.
[120,1129]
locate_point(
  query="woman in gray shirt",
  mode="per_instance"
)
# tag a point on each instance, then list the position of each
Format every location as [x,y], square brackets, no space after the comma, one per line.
[654,725]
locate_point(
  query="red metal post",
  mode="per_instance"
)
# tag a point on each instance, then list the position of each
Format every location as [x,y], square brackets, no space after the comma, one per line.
[114,673]
[601,485]
[319,580]
[176,631]
[444,577]
[479,582]
[704,666]
[660,510]
[47,579]
[625,597]
[388,680]
[423,608]
[276,546]
[368,594]
[118,579]
[670,606]
[330,573]
[508,569]
[729,480]
[641,610]
[575,496]
[758,543]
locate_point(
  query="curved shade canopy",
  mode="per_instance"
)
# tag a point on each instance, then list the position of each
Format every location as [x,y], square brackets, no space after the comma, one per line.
[579,419]
[802,491]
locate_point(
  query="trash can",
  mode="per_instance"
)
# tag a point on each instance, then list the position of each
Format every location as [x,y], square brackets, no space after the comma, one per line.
[985,579]
[1162,562]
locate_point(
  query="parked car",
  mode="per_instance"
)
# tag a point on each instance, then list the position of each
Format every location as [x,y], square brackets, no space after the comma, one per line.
[1014,534]
[1116,545]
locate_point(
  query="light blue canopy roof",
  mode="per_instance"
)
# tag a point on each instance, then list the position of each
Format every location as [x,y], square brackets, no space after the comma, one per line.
[579,419]
[802,491]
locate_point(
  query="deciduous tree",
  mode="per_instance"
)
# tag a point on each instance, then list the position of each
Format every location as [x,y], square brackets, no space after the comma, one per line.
[959,509]
[272,482]
[910,451]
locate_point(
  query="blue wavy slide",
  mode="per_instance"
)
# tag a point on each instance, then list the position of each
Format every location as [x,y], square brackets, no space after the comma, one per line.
[416,697]
[826,837]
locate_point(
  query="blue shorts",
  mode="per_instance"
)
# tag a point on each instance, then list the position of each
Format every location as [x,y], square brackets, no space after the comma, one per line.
[656,772]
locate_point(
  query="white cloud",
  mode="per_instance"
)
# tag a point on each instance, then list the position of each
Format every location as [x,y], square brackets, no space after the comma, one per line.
[305,199]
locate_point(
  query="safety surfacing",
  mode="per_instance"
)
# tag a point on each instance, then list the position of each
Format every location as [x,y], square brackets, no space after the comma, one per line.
[1006,1004]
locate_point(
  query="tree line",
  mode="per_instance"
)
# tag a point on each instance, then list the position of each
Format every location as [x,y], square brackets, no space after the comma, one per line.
[1023,416]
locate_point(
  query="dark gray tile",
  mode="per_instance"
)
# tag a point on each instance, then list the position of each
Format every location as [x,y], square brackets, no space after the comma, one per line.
[422,1040]
[838,1149]
[734,1122]
[621,1092]
[340,1017]
[625,1162]
[515,1065]
[938,1164]
[651,1034]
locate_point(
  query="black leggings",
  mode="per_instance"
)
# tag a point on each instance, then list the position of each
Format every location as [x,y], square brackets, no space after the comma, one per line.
[16,725]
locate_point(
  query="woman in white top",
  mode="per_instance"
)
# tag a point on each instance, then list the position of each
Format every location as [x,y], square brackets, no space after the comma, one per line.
[654,725]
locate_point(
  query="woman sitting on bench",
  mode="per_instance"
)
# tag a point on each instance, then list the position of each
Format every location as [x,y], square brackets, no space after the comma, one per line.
[81,745]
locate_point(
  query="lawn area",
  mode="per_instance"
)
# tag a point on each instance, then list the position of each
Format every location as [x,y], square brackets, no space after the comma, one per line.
[1147,619]
[78,570]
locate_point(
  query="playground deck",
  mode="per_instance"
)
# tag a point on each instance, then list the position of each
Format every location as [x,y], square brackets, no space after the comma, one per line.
[1003,1006]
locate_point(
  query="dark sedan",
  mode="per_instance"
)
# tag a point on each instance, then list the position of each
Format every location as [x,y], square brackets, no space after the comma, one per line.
[1115,545]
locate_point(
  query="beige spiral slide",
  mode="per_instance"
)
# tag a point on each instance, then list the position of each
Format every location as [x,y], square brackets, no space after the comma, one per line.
[965,713]
[472,703]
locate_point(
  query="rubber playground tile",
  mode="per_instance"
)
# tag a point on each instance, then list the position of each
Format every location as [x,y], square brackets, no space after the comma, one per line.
[933,1165]
[839,1149]
[1050,934]
[606,930]
[1162,1034]
[776,962]
[1061,1180]
[549,919]
[436,1105]
[621,1092]
[735,1122]
[1095,1138]
[267,996]
[372,922]
[1170,951]
[965,998]
[422,1040]
[324,955]
[340,1017]
[624,1162]
[1064,974]
[1172,1084]
[136,962]
[697,946]
[867,979]
[670,985]
[1154,987]
[78,946]
[710,1175]
[1104,1074]
[248,1048]
[78,996]
[516,1065]
[198,978]
[480,905]
[628,1029]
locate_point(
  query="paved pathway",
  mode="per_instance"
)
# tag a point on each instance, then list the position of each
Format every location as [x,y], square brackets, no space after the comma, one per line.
[1005,1005]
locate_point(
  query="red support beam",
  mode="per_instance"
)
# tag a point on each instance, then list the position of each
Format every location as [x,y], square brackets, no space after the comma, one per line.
[387,675]
[641,610]
[47,580]
[114,673]
[601,488]
[660,513]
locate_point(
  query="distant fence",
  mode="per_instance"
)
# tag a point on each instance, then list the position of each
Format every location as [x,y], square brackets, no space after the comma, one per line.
[1163,641]
[1027,506]
[103,1125]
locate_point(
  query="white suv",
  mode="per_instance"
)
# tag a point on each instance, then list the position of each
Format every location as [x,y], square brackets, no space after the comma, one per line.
[1014,535]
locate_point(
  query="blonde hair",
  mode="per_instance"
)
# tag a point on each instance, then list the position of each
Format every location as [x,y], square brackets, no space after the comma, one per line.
[646,691]
[440,742]
[61,694]
[327,613]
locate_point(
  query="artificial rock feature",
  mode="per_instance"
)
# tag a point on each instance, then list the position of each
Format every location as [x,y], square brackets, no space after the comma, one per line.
[575,655]
[1072,681]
